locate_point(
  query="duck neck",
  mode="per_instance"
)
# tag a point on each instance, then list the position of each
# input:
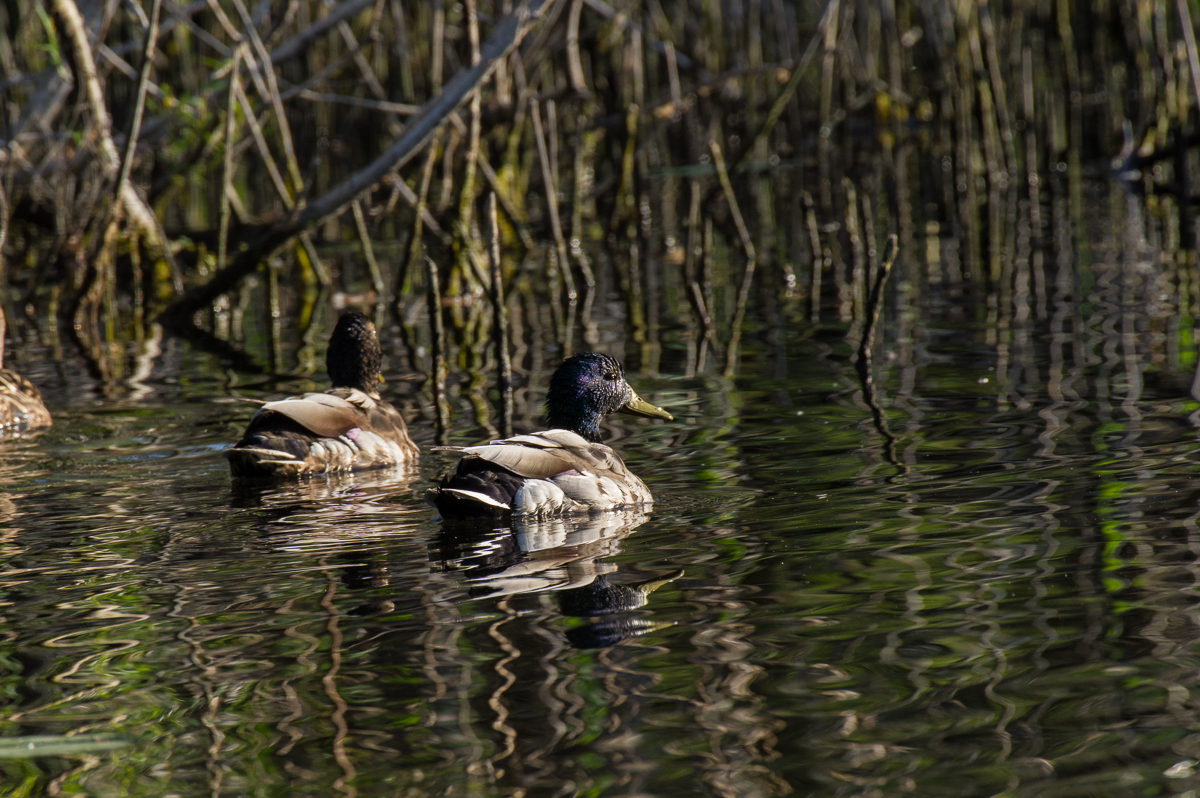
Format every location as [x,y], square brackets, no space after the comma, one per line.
[367,386]
[583,422]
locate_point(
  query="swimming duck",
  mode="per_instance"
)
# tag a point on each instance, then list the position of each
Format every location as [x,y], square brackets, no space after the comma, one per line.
[561,470]
[21,405]
[346,427]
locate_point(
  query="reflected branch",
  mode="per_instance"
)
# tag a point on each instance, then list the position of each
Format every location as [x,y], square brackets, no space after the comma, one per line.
[865,345]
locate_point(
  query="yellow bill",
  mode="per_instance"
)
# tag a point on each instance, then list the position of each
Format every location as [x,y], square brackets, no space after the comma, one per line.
[639,407]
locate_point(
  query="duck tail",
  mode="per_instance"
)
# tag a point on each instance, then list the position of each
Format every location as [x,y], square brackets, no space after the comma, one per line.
[454,502]
[476,491]
[253,461]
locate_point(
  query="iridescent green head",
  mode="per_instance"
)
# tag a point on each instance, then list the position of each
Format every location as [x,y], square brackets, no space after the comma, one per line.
[586,388]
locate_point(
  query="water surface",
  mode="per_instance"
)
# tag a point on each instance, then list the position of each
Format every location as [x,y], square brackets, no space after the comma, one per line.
[991,589]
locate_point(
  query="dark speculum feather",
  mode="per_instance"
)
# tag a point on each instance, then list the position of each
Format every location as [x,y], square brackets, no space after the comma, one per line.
[353,359]
[583,390]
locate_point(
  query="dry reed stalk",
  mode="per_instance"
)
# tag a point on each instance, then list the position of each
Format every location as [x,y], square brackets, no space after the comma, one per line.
[500,322]
[433,296]
[135,208]
[264,151]
[1031,147]
[402,50]
[139,107]
[875,302]
[466,202]
[368,74]
[439,47]
[693,247]
[414,244]
[818,260]
[826,103]
[275,319]
[706,274]
[3,240]
[226,24]
[281,189]
[999,92]
[739,314]
[263,60]
[401,189]
[623,22]
[511,214]
[227,187]
[551,192]
[789,90]
[364,240]
[707,322]
[574,65]
[583,150]
[673,81]
[552,143]
[453,140]
[994,158]
[314,260]
[858,272]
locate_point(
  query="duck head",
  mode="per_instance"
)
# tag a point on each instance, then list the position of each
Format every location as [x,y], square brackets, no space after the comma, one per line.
[586,388]
[354,358]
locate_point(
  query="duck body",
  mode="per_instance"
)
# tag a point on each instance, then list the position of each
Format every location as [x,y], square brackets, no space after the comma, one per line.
[557,471]
[21,406]
[544,473]
[317,433]
[345,428]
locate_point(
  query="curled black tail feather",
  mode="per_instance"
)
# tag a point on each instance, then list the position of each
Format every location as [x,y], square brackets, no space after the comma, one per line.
[477,476]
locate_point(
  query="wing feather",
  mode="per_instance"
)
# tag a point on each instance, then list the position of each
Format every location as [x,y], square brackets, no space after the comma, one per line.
[524,461]
[326,415]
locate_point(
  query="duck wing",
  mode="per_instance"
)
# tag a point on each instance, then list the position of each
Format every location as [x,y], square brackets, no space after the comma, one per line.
[542,455]
[327,415]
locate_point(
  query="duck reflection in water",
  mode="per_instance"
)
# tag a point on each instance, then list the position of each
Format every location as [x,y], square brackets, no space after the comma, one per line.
[563,556]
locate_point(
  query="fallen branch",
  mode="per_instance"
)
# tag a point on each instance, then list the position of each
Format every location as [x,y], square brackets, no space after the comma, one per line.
[506,36]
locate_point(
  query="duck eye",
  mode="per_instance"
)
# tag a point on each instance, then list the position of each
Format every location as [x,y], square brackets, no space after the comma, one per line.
[610,375]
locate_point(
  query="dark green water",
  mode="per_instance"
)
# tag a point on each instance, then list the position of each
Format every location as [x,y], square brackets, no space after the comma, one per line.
[995,596]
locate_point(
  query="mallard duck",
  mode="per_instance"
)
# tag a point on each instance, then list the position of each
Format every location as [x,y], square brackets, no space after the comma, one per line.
[344,428]
[21,405]
[561,470]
